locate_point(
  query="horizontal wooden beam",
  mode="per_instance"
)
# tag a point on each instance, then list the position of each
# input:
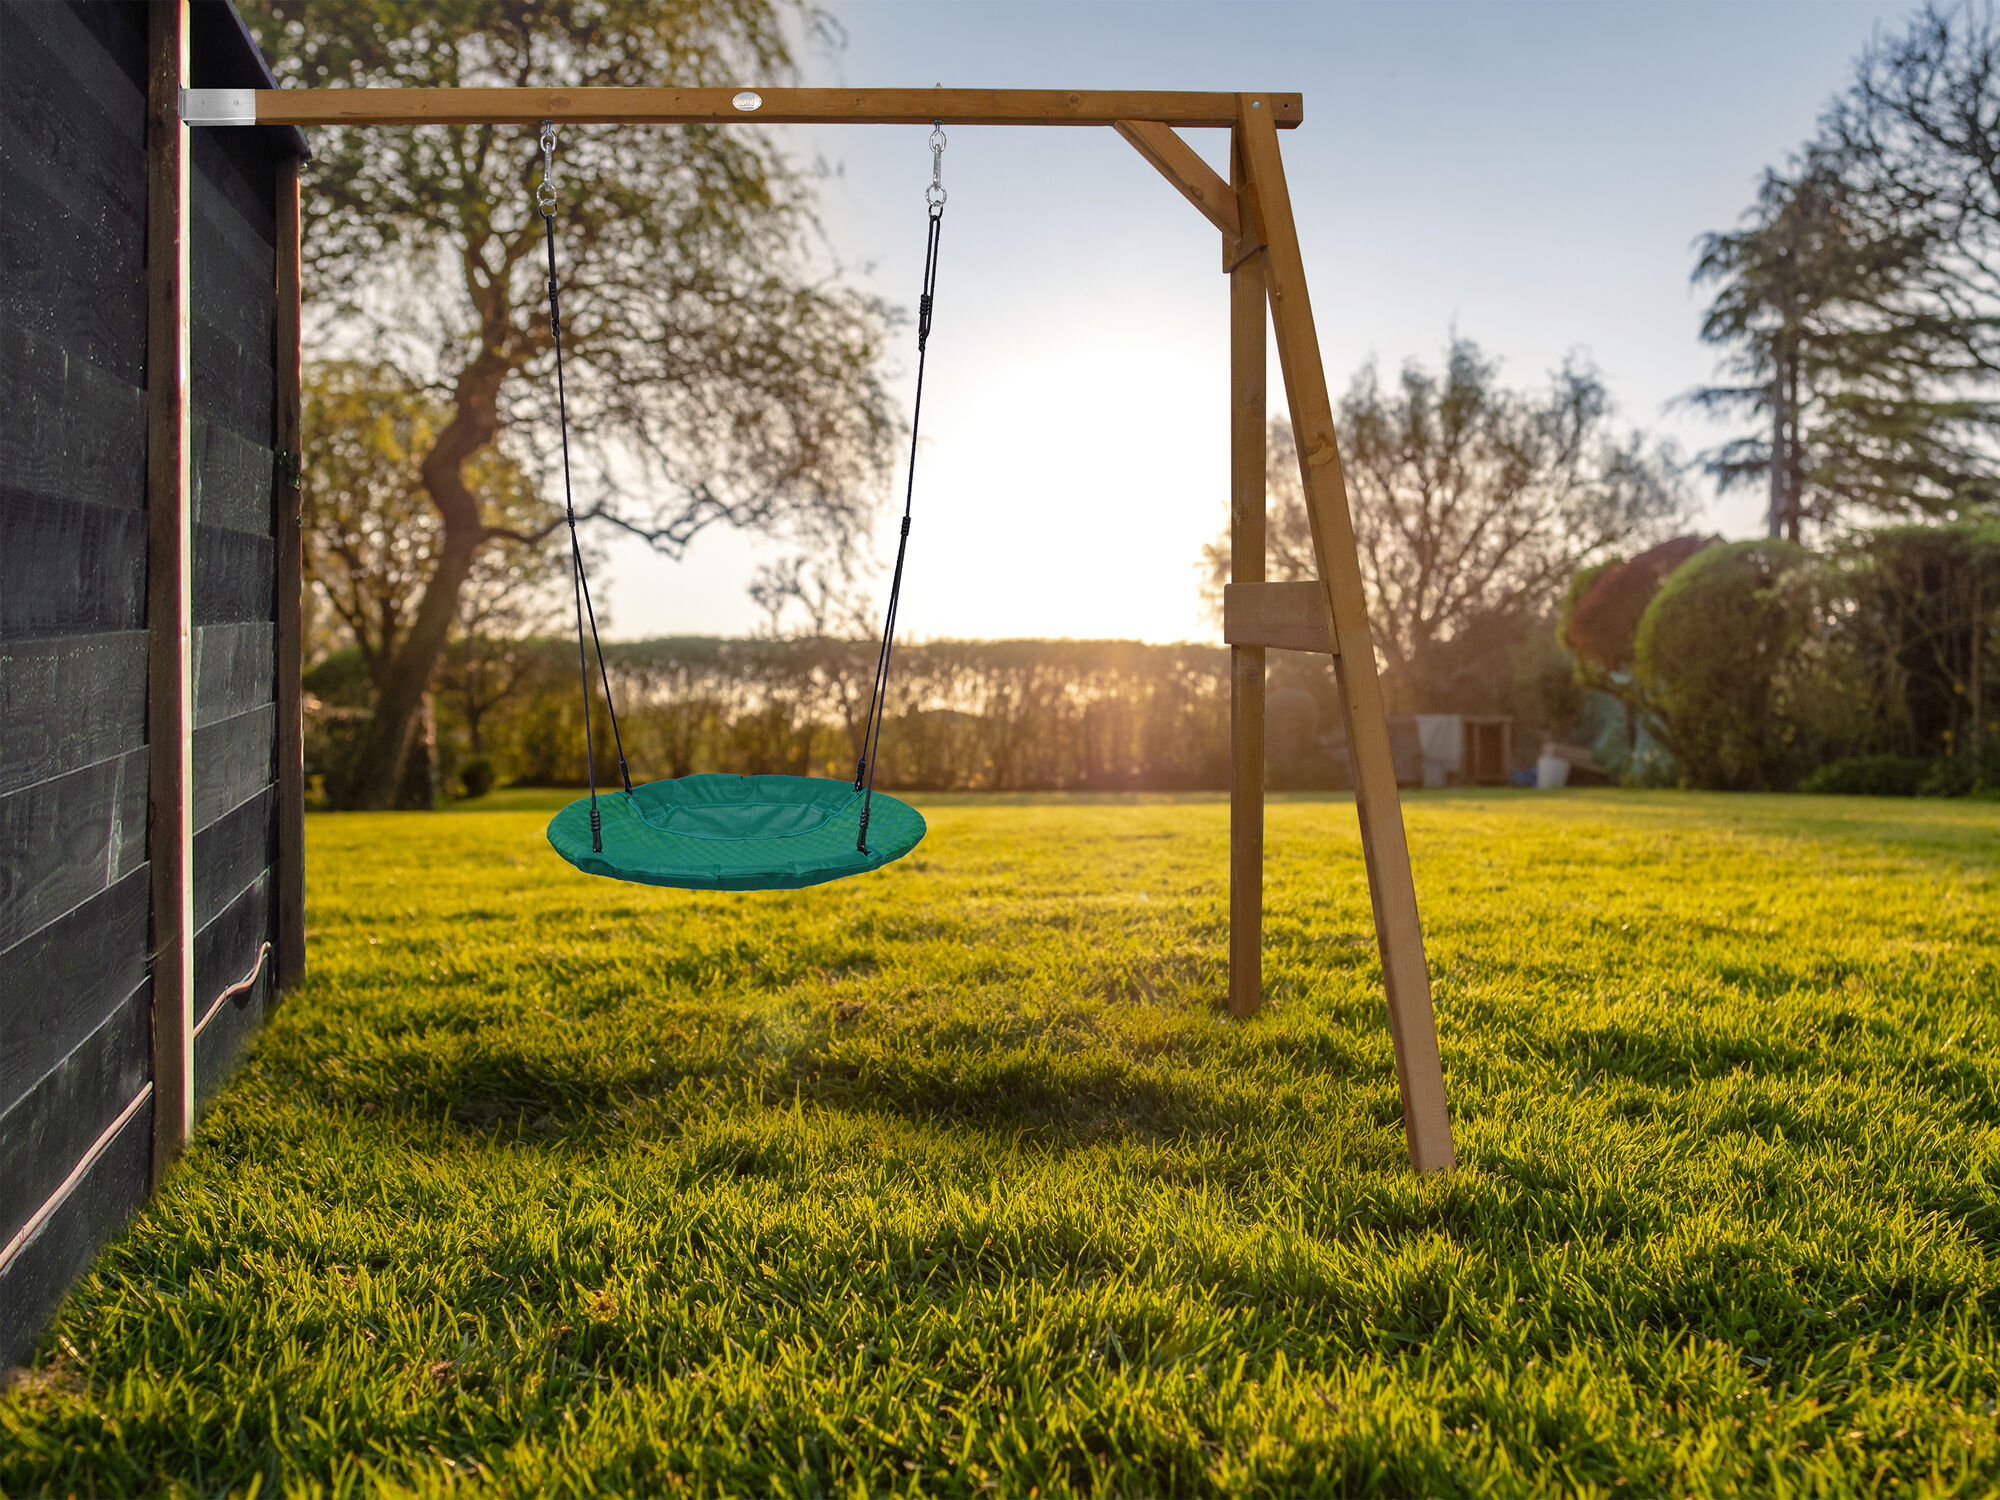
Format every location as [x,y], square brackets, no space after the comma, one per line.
[1289,616]
[1177,162]
[612,106]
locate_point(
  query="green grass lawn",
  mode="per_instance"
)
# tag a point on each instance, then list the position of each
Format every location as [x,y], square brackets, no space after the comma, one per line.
[958,1179]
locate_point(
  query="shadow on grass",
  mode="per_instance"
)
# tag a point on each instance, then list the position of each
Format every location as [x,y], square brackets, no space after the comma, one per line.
[1056,1099]
[1063,1085]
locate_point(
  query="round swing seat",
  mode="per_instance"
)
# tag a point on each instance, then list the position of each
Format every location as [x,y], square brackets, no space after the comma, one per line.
[735,833]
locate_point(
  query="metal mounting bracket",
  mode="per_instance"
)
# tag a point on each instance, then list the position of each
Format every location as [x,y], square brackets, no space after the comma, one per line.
[218,106]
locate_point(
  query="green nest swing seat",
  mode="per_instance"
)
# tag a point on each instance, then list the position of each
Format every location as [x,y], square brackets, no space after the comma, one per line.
[720,832]
[736,833]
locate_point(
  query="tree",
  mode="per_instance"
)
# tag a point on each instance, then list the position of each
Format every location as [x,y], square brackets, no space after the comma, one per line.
[497,651]
[1598,623]
[831,629]
[372,537]
[710,366]
[1917,135]
[1927,607]
[1832,350]
[1859,303]
[1473,505]
[1784,281]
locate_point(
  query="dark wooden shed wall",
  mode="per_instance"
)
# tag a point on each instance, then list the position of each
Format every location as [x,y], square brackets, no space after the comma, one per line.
[75,940]
[234,262]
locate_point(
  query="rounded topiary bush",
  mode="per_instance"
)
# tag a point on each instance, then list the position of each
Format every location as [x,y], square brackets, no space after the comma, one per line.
[1739,659]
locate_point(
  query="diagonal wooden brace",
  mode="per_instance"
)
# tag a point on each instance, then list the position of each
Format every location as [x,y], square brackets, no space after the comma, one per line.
[1177,162]
[1200,184]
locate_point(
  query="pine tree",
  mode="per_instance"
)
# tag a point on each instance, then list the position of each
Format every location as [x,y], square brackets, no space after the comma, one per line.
[1813,307]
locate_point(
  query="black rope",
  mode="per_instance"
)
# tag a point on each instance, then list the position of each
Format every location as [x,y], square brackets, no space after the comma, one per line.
[584,608]
[878,697]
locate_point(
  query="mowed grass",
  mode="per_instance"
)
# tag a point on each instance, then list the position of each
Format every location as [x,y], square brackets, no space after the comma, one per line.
[957,1179]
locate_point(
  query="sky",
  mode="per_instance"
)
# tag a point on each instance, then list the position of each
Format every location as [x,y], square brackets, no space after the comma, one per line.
[1531,176]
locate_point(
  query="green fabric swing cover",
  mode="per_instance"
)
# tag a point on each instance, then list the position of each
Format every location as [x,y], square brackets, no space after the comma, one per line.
[735,833]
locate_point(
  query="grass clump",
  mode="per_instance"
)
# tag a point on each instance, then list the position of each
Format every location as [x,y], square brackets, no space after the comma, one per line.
[958,1179]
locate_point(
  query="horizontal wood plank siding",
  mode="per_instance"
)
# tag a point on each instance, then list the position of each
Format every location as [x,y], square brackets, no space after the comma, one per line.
[235,946]
[232,477]
[105,1196]
[63,981]
[67,702]
[76,1045]
[70,277]
[232,576]
[64,840]
[232,763]
[70,569]
[234,670]
[228,855]
[47,1131]
[75,1000]
[71,427]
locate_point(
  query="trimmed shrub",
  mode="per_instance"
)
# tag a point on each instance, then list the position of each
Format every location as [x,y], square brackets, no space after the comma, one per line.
[1738,658]
[476,778]
[1605,604]
[1872,776]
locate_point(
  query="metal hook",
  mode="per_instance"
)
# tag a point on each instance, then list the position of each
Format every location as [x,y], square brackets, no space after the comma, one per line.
[545,195]
[934,195]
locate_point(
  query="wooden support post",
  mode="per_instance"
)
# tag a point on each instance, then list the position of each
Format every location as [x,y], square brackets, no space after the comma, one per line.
[169,584]
[291,894]
[1391,886]
[1247,355]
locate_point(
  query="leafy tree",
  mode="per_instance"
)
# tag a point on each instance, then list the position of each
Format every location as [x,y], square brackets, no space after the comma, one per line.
[372,537]
[1927,610]
[1596,635]
[714,376]
[492,661]
[817,605]
[1601,611]
[1473,506]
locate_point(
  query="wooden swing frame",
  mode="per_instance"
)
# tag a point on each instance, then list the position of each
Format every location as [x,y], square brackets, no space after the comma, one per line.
[1261,256]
